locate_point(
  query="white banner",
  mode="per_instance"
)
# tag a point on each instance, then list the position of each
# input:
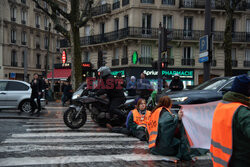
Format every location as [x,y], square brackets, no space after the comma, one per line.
[197,120]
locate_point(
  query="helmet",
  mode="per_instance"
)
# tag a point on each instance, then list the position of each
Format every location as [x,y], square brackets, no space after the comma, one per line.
[104,71]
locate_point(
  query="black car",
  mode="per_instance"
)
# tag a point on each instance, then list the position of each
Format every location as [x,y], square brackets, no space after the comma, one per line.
[211,90]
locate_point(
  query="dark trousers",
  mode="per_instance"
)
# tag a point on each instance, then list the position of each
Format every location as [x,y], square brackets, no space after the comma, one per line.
[33,103]
[113,108]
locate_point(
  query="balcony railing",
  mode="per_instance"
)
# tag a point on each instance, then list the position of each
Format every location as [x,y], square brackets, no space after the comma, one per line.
[13,41]
[13,19]
[168,2]
[246,63]
[234,63]
[125,2]
[148,1]
[37,26]
[116,5]
[24,43]
[13,64]
[213,63]
[152,33]
[124,60]
[215,4]
[38,66]
[99,10]
[23,22]
[145,60]
[187,62]
[115,62]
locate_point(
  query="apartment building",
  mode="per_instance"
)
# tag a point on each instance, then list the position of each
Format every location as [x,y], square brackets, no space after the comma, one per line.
[122,28]
[24,29]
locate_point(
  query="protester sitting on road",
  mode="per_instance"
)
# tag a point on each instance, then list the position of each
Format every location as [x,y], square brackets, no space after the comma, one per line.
[231,126]
[176,84]
[131,87]
[165,138]
[137,120]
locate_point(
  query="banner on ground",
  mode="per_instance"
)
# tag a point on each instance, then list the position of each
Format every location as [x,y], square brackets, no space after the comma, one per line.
[197,120]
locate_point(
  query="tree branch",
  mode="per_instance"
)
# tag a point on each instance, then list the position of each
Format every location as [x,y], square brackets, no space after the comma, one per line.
[55,7]
[86,14]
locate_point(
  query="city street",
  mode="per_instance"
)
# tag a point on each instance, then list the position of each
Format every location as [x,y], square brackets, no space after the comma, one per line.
[46,141]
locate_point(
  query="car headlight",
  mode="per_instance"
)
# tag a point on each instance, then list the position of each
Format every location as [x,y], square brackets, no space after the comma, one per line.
[179,99]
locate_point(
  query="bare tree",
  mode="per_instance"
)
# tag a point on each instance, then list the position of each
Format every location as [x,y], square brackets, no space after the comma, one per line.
[78,16]
[230,7]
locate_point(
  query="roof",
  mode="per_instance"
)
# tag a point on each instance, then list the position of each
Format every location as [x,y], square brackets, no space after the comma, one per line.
[60,74]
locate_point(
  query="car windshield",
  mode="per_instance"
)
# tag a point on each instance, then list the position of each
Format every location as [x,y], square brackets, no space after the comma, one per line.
[213,84]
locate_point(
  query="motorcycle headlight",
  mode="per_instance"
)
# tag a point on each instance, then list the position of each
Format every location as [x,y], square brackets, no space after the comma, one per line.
[77,94]
[179,99]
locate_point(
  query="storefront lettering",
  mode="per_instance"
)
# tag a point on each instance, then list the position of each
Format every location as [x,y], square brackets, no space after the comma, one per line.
[181,73]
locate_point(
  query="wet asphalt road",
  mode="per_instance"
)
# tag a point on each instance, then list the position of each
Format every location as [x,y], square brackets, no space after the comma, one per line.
[46,141]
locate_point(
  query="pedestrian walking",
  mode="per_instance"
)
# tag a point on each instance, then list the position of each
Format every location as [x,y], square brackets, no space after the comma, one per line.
[36,86]
[176,83]
[131,86]
[166,132]
[67,93]
[231,126]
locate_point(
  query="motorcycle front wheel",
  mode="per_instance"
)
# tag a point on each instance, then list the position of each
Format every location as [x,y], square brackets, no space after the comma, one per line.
[74,121]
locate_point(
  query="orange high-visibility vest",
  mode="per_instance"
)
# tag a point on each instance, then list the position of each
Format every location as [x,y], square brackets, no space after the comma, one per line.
[152,126]
[222,133]
[141,119]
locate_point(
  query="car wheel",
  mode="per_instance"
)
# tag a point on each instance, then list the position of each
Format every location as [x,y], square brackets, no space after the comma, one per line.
[25,106]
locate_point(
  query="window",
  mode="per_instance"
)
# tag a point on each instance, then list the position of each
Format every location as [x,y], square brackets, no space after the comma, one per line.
[102,28]
[247,56]
[147,1]
[248,26]
[23,55]
[37,41]
[38,59]
[13,13]
[233,53]
[45,5]
[16,86]
[116,24]
[103,2]
[189,3]
[168,2]
[146,24]
[46,40]
[46,23]
[168,22]
[146,51]
[86,57]
[116,53]
[24,16]
[234,25]
[13,36]
[213,24]
[13,58]
[23,38]
[37,21]
[126,21]
[3,85]
[39,2]
[125,51]
[23,1]
[87,31]
[187,53]
[188,26]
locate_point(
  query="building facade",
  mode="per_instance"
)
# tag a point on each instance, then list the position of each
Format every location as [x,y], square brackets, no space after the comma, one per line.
[122,28]
[24,30]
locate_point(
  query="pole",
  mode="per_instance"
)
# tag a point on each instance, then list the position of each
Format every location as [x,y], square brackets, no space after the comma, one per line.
[52,83]
[25,65]
[159,58]
[47,57]
[206,65]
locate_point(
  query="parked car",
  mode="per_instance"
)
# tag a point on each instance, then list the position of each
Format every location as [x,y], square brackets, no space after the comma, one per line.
[16,94]
[211,90]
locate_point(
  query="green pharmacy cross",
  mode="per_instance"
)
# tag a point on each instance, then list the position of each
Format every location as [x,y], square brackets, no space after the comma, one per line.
[135,58]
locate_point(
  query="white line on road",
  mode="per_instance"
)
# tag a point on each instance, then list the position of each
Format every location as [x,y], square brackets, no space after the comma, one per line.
[78,159]
[51,122]
[89,139]
[61,125]
[63,129]
[68,134]
[29,148]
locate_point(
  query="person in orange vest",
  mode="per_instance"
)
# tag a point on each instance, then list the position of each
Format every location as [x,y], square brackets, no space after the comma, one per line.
[231,126]
[165,138]
[137,120]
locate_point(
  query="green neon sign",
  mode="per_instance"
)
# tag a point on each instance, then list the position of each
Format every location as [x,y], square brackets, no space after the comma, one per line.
[134,57]
[116,72]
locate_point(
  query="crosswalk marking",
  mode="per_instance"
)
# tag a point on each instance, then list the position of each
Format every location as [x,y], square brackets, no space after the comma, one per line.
[29,147]
[61,126]
[68,134]
[63,129]
[11,161]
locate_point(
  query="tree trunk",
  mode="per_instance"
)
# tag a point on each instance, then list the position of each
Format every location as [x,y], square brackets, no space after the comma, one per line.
[228,44]
[76,74]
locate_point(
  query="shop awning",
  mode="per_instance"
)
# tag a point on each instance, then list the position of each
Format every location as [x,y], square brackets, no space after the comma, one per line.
[61,74]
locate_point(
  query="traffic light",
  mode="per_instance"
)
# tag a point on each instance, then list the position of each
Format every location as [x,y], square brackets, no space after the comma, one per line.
[164,65]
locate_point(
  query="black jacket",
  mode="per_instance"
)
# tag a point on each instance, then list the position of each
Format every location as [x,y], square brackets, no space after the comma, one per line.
[115,92]
[176,82]
[36,87]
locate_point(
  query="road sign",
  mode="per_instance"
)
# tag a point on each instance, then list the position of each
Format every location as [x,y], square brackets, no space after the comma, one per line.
[203,57]
[12,75]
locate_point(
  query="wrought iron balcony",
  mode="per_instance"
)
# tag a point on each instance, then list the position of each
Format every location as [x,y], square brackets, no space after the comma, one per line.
[102,9]
[13,19]
[124,60]
[215,4]
[115,62]
[246,63]
[13,41]
[168,2]
[116,5]
[187,62]
[148,1]
[145,60]
[234,63]
[24,43]
[125,2]
[23,22]
[37,26]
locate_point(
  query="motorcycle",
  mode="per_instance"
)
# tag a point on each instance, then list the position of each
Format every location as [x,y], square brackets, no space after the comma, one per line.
[84,99]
